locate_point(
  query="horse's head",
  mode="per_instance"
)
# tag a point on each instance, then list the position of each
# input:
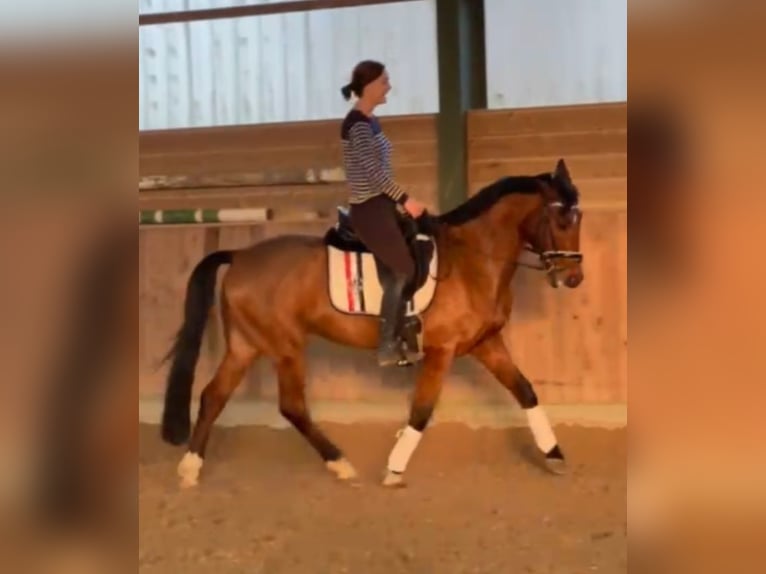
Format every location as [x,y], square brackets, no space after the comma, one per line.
[556,237]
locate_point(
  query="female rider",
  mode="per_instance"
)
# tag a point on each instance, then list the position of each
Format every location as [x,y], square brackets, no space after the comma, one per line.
[374,198]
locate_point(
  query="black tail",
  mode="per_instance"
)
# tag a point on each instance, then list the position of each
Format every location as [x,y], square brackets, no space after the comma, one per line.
[200,295]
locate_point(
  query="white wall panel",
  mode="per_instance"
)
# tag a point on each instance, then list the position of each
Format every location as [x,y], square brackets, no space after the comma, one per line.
[282,67]
[290,67]
[555,52]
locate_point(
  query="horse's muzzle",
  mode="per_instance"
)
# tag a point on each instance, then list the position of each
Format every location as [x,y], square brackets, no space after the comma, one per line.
[563,268]
[574,278]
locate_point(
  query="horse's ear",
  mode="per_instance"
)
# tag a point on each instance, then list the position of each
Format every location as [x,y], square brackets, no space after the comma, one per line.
[561,171]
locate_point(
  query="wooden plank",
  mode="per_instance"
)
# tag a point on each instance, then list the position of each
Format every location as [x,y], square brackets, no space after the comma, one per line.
[319,133]
[267,193]
[277,197]
[258,158]
[319,175]
[416,174]
[536,145]
[547,120]
[408,150]
[592,187]
[410,128]
[581,167]
[409,174]
[323,202]
[286,7]
[241,136]
[238,160]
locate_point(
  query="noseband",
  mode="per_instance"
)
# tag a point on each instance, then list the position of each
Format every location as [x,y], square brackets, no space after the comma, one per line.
[550,257]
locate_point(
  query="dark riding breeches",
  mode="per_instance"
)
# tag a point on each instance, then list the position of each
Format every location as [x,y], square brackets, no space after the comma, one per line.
[376,222]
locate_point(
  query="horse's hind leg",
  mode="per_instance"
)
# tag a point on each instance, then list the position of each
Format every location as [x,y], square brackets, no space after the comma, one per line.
[215,395]
[292,405]
[494,355]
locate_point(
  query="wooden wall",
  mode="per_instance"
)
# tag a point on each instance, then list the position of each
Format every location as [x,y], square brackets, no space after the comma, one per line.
[573,343]
[287,147]
[570,343]
[168,253]
[591,138]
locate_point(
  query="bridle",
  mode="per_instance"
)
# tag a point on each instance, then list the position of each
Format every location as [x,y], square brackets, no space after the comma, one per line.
[550,258]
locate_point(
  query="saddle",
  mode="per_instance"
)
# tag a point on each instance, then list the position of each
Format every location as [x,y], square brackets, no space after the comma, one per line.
[418,235]
[357,278]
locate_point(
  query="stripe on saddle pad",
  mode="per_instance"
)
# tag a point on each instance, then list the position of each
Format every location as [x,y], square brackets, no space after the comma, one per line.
[355,288]
[353,269]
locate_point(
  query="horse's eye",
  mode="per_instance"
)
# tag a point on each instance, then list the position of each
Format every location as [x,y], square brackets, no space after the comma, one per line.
[566,217]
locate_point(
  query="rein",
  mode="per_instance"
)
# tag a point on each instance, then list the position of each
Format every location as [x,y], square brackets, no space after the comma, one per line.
[548,257]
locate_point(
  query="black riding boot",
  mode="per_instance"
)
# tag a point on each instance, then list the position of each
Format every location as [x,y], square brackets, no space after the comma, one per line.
[392,309]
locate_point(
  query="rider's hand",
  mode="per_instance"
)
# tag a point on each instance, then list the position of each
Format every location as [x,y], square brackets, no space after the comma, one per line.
[414,207]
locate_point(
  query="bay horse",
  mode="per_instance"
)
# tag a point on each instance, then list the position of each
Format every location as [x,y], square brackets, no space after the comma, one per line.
[274,295]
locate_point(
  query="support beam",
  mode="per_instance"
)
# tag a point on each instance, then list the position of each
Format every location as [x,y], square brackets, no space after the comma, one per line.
[462,86]
[253,10]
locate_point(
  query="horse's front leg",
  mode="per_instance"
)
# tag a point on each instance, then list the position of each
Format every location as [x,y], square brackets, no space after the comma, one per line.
[494,355]
[436,363]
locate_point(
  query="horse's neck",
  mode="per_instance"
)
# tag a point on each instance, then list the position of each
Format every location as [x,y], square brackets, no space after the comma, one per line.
[491,244]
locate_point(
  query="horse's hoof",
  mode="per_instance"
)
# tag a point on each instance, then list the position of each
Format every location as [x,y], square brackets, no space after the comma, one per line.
[188,469]
[188,482]
[394,480]
[342,469]
[556,466]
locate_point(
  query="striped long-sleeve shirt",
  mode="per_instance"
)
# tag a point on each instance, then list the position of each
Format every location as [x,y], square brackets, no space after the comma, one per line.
[367,158]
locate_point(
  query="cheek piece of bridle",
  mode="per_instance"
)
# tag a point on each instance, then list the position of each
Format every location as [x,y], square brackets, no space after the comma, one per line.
[551,258]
